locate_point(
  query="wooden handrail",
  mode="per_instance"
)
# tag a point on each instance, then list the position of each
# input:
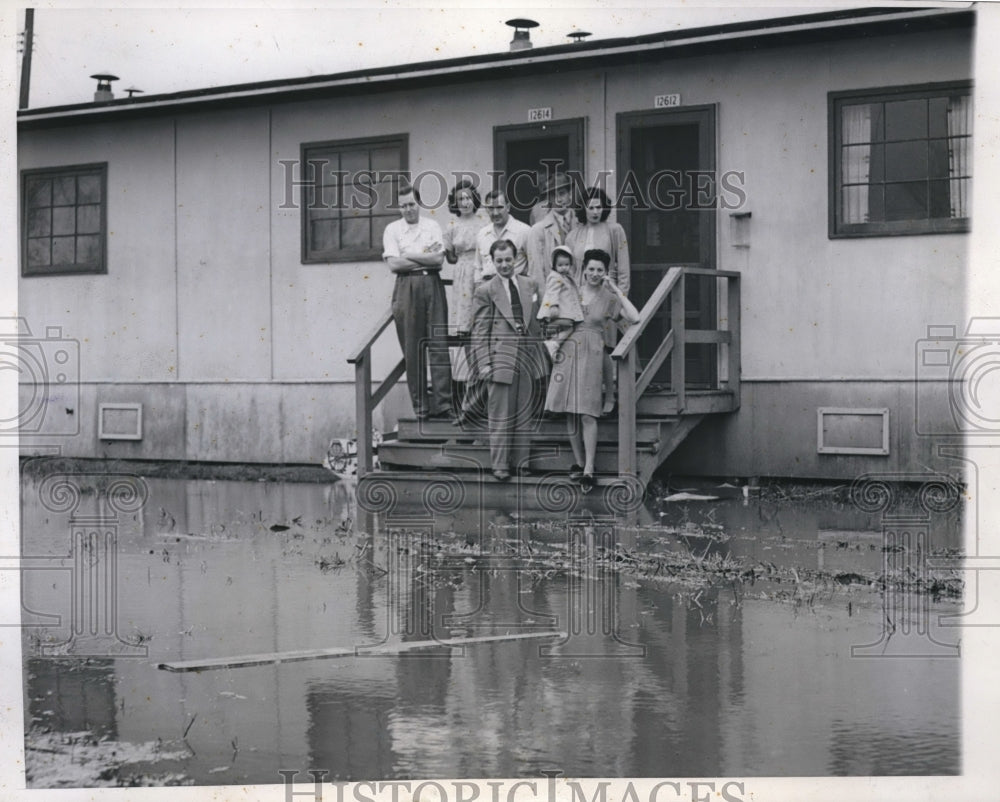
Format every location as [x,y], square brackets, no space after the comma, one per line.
[631,387]
[663,289]
[376,332]
[362,350]
[387,383]
[705,271]
[365,398]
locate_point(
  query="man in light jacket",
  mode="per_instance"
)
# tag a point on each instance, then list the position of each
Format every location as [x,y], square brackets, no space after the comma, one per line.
[509,356]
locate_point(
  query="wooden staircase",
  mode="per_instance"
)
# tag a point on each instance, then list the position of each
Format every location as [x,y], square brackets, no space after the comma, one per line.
[650,424]
[439,445]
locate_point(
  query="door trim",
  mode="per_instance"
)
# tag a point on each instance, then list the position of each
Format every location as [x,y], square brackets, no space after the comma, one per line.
[705,116]
[573,127]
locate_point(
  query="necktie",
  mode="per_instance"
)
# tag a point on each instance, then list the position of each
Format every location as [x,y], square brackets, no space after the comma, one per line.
[562,223]
[515,303]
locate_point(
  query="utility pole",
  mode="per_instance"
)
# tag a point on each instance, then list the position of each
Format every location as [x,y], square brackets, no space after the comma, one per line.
[29,32]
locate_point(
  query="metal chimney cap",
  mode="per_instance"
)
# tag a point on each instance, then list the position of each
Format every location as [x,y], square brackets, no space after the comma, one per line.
[519,23]
[104,76]
[132,90]
[578,36]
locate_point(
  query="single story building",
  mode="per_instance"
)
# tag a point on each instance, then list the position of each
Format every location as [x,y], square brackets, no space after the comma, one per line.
[194,273]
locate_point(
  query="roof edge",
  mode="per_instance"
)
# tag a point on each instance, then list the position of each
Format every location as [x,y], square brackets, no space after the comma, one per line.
[646,44]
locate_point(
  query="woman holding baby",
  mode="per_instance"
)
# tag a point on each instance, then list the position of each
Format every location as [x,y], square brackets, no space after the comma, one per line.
[576,385]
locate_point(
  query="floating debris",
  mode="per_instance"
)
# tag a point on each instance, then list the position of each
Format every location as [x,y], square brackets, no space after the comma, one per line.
[688,497]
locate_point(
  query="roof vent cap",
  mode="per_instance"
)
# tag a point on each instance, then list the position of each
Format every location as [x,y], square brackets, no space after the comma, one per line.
[522,37]
[104,93]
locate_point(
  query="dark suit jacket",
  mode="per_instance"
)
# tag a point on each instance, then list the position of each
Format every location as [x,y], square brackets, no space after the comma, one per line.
[495,339]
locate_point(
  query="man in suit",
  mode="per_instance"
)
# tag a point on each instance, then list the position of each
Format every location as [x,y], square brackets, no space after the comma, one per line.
[501,226]
[508,353]
[552,229]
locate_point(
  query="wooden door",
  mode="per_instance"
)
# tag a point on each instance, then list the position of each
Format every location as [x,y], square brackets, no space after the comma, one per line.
[667,198]
[525,154]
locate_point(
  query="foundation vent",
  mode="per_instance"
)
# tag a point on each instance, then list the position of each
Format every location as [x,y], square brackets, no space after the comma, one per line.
[119,422]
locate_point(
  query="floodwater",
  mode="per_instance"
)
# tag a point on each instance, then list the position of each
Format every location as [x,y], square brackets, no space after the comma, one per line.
[731,638]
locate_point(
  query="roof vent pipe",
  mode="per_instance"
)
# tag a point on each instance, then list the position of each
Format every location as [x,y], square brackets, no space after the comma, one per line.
[522,37]
[104,93]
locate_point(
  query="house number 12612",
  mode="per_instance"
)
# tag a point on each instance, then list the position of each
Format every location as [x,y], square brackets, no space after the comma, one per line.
[666,101]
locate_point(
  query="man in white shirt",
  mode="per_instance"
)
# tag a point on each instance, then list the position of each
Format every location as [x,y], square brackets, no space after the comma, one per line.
[413,248]
[501,226]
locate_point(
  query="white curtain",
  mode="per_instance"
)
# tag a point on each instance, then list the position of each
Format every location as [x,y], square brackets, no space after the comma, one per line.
[959,155]
[855,162]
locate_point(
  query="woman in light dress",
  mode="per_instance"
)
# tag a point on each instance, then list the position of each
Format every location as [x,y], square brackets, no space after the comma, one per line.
[460,251]
[576,383]
[597,232]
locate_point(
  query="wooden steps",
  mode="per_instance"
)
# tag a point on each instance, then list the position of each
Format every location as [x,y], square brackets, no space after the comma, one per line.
[545,457]
[648,430]
[441,445]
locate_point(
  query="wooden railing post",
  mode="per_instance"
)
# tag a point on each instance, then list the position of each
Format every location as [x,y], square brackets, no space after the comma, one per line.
[627,457]
[363,408]
[677,324]
[365,400]
[734,322]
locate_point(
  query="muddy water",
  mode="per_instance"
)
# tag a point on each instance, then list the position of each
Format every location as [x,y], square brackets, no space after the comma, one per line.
[719,644]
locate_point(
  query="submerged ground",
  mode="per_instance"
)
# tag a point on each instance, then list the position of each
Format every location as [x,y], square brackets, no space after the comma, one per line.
[790,632]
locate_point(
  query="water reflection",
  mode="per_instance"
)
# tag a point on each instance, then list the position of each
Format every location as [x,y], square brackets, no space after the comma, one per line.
[655,677]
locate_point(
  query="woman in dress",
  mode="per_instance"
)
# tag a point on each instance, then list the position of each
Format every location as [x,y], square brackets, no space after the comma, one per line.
[460,251]
[575,386]
[597,232]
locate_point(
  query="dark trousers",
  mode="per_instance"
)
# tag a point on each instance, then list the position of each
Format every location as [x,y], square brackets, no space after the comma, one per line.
[420,310]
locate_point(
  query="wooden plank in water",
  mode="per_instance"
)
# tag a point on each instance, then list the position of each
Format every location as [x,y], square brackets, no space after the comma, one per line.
[242,661]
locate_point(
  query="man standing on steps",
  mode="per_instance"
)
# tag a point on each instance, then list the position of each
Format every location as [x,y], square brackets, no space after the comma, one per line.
[552,229]
[501,226]
[413,247]
[510,358]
